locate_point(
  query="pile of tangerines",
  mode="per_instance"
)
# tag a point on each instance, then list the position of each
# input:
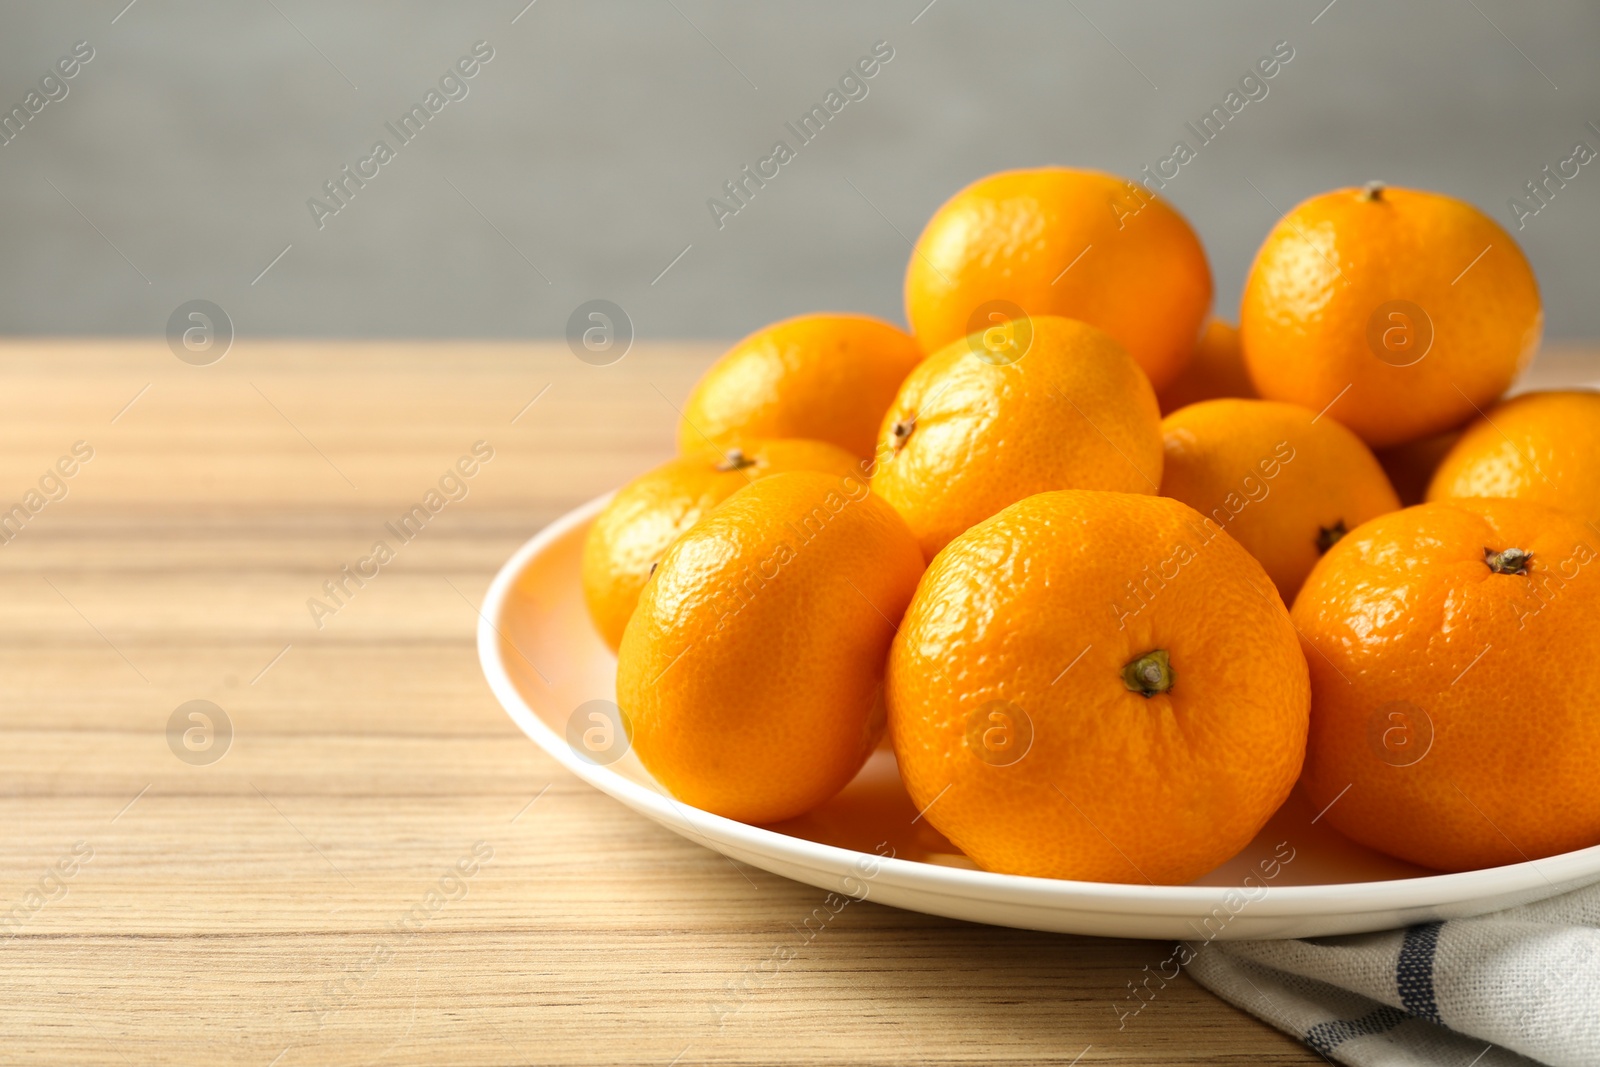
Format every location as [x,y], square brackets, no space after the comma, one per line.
[1069,611]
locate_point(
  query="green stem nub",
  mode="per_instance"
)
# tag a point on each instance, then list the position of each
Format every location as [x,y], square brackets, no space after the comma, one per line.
[735,460]
[1510,561]
[1328,536]
[1150,674]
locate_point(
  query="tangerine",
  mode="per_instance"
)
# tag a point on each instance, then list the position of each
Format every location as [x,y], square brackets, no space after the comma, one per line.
[1093,685]
[1216,370]
[823,377]
[975,429]
[1400,310]
[751,672]
[1543,447]
[1010,245]
[1453,712]
[1284,482]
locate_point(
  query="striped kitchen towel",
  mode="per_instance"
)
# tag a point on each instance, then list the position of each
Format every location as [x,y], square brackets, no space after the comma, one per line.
[1520,986]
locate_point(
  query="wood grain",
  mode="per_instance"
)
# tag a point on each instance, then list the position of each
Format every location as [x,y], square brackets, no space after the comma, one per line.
[254,910]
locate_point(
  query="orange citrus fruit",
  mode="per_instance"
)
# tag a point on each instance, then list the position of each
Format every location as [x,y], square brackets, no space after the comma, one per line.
[1285,483]
[1398,308]
[752,671]
[1453,717]
[1543,447]
[1410,466]
[823,377]
[1217,370]
[967,435]
[630,536]
[1095,686]
[1056,241]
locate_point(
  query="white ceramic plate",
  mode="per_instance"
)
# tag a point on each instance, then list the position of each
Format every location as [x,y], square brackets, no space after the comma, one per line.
[1297,879]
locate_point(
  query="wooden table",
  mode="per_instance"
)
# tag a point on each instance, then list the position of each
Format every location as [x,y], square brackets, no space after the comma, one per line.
[292,902]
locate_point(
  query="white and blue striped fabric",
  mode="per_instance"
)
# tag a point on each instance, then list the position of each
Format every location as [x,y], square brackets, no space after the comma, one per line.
[1515,987]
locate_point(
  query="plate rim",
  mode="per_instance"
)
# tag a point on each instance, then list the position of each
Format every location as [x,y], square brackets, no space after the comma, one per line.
[1281,901]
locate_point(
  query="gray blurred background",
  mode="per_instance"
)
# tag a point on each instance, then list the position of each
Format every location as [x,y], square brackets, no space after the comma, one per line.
[180,161]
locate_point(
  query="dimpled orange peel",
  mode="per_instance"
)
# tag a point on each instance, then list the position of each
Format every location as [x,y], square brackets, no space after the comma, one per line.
[823,377]
[1059,405]
[1058,241]
[1543,447]
[1453,718]
[629,537]
[1093,685]
[1285,483]
[751,672]
[1398,311]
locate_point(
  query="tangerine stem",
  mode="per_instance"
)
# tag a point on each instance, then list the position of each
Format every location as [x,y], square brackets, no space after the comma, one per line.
[1149,674]
[900,432]
[1509,561]
[1328,536]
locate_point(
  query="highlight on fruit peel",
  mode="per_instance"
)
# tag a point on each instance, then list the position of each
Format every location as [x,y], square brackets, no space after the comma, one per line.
[1442,706]
[1096,686]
